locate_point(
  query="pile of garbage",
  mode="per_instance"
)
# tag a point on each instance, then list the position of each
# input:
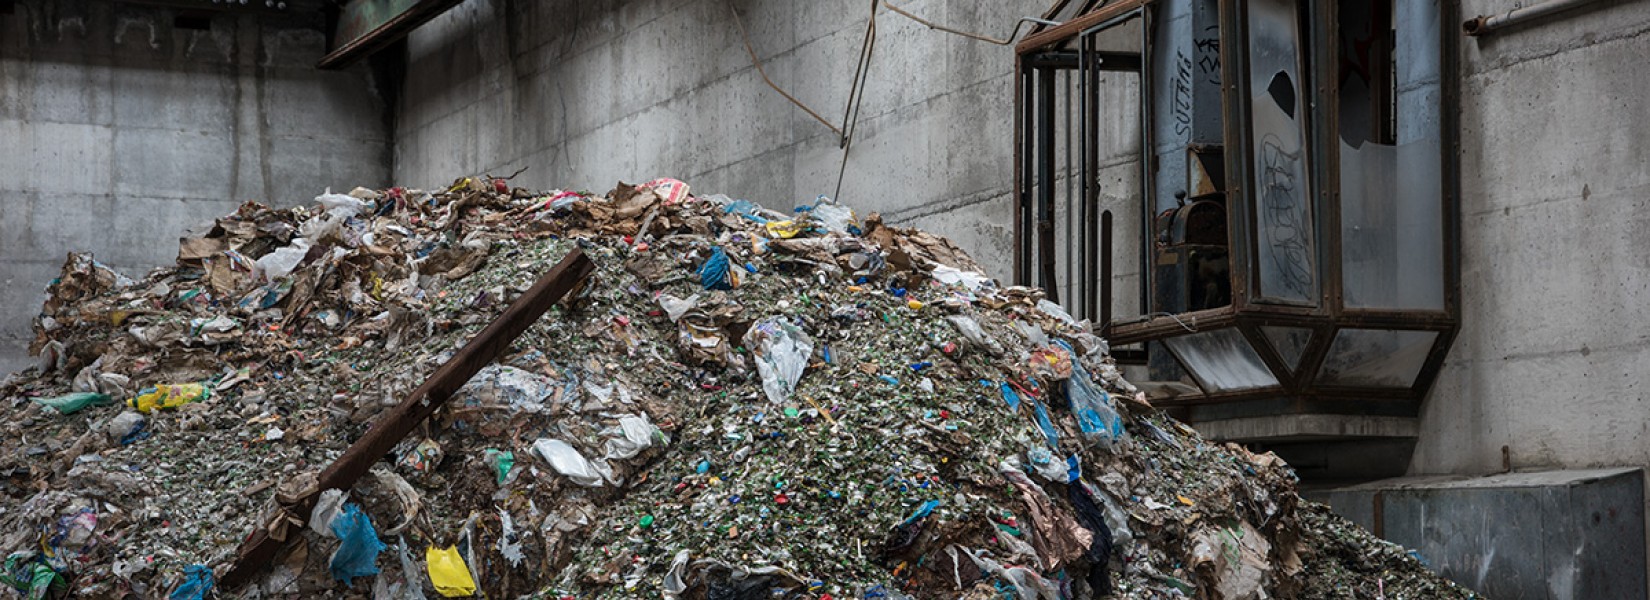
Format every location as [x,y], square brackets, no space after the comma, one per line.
[738,403]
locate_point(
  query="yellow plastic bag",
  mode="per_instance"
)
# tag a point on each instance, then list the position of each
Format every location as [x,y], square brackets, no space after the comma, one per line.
[448,572]
[784,229]
[169,396]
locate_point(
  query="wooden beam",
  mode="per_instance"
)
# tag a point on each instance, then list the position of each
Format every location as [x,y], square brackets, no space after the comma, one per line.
[259,550]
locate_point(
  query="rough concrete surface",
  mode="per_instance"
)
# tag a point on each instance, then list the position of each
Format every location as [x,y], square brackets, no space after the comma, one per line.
[118,131]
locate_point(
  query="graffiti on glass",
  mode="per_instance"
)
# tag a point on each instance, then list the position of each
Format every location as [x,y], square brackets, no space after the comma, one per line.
[1283,215]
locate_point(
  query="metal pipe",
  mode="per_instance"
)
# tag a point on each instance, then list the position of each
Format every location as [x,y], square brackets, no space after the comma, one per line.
[1485,24]
[1105,268]
[1045,184]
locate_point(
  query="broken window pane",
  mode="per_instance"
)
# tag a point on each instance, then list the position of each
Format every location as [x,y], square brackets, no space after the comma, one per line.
[1392,230]
[1285,240]
[1376,358]
[1222,360]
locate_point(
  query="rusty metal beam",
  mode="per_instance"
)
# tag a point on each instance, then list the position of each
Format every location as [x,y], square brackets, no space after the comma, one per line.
[259,550]
[1070,29]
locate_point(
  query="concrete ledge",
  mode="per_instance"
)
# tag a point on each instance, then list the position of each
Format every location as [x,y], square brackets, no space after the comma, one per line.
[1555,535]
[1300,428]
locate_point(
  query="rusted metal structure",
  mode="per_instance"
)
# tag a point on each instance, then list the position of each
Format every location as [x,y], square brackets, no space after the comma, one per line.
[262,546]
[1299,205]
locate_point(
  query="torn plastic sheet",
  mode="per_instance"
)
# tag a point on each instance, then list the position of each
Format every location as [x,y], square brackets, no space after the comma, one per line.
[781,351]
[498,386]
[509,540]
[675,581]
[676,307]
[1097,416]
[633,435]
[327,507]
[1027,583]
[973,281]
[567,461]
[358,545]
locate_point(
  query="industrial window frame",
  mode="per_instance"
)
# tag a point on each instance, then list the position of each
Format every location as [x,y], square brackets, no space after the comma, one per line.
[1298,385]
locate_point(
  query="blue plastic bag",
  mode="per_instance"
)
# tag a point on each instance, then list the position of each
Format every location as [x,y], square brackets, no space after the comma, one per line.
[197,582]
[1096,415]
[1010,397]
[714,274]
[1043,423]
[358,545]
[924,510]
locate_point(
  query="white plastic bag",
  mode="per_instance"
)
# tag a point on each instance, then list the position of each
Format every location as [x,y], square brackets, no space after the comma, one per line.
[350,204]
[835,217]
[676,307]
[781,350]
[633,435]
[975,334]
[282,261]
[974,281]
[567,461]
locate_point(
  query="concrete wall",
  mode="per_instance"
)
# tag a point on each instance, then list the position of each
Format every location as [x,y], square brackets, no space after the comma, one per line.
[1553,359]
[118,131]
[1553,355]
[586,94]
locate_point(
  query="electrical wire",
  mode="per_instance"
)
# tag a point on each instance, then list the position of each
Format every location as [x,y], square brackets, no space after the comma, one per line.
[970,35]
[757,62]
[856,96]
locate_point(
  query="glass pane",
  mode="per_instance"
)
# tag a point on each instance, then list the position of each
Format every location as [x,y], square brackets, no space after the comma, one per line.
[1282,189]
[1392,230]
[1290,342]
[1222,360]
[1375,358]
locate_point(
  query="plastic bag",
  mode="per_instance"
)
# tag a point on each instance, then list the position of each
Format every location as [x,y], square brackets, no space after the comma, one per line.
[169,396]
[675,581]
[69,404]
[676,307]
[784,229]
[971,280]
[781,351]
[744,208]
[634,434]
[358,545]
[1047,426]
[448,573]
[717,273]
[1096,415]
[833,216]
[26,573]
[350,204]
[670,190]
[197,583]
[1055,311]
[1043,462]
[328,506]
[567,461]
[282,261]
[502,461]
[1052,362]
[975,334]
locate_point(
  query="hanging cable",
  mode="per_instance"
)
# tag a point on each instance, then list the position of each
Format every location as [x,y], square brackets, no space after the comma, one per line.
[760,71]
[975,36]
[856,96]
